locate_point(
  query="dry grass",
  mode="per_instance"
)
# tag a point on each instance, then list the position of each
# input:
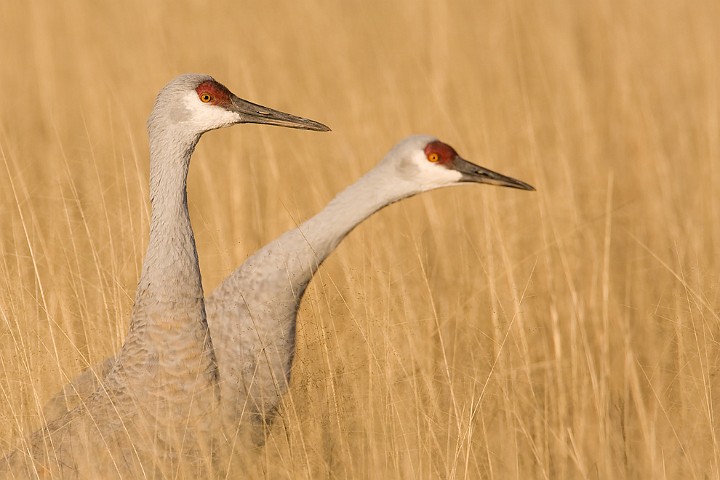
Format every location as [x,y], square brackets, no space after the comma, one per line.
[466,333]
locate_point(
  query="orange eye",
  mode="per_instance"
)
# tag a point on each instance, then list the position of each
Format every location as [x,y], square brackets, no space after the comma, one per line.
[205,97]
[433,157]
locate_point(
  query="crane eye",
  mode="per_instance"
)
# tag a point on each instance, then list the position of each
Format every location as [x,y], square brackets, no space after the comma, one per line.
[433,157]
[205,97]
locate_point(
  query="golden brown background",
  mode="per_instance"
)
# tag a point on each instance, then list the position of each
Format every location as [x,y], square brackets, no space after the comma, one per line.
[474,332]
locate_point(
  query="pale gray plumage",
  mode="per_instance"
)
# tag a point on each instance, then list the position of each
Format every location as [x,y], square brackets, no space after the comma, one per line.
[252,313]
[156,409]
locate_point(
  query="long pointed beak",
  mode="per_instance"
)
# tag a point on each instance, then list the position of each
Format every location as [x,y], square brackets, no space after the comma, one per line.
[476,173]
[253,113]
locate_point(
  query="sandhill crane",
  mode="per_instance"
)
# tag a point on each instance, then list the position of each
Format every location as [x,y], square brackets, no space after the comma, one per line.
[252,313]
[155,410]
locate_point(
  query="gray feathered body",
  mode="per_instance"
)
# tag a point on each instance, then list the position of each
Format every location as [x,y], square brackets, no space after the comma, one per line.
[155,410]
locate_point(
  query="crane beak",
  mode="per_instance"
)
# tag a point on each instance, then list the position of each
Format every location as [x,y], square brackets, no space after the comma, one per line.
[252,113]
[475,173]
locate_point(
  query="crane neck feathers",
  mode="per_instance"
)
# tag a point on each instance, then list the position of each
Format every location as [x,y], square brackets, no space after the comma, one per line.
[169,296]
[301,251]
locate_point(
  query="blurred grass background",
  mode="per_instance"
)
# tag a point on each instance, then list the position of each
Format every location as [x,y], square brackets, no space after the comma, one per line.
[474,332]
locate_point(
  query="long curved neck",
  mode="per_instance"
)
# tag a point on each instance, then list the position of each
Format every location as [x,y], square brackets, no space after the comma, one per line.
[297,254]
[168,320]
[375,190]
[253,311]
[255,308]
[170,269]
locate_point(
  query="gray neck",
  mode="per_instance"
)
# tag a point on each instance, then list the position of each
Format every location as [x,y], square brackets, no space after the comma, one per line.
[314,240]
[285,266]
[170,268]
[169,311]
[255,307]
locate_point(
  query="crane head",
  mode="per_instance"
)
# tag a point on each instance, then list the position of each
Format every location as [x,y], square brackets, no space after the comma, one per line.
[200,103]
[431,163]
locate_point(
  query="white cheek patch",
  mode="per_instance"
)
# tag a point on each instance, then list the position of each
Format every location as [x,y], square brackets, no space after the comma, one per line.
[205,116]
[434,175]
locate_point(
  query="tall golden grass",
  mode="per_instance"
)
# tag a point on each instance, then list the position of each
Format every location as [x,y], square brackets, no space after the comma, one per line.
[473,332]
